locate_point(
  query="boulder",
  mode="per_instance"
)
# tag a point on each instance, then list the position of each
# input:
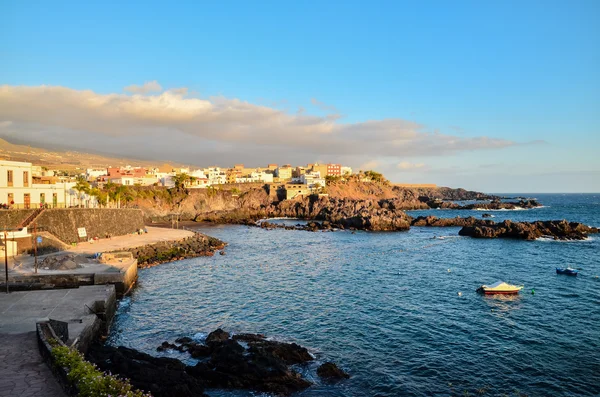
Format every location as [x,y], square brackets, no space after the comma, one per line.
[331,372]
[217,335]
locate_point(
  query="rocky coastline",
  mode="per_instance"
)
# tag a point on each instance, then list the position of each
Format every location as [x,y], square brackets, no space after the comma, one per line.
[557,230]
[155,254]
[242,361]
[493,205]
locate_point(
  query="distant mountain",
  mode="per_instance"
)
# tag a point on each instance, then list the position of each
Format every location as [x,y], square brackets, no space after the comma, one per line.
[65,159]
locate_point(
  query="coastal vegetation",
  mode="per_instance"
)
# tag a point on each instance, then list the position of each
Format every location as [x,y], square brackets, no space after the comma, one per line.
[88,379]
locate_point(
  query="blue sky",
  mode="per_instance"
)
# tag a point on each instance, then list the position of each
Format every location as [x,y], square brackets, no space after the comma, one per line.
[525,73]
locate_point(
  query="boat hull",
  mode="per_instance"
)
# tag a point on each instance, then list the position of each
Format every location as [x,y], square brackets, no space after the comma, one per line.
[566,272]
[501,292]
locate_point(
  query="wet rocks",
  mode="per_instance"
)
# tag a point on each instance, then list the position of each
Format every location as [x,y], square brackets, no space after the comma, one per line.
[161,376]
[191,247]
[559,230]
[217,335]
[444,222]
[241,361]
[331,372]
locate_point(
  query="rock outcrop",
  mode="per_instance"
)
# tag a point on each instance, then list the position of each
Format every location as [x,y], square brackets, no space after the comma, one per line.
[331,372]
[160,376]
[191,247]
[244,361]
[374,215]
[445,222]
[559,230]
[492,205]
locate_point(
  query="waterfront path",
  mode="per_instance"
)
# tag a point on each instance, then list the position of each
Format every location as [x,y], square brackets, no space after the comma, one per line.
[22,371]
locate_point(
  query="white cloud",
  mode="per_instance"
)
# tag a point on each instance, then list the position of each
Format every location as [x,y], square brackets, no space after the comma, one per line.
[323,106]
[370,165]
[146,88]
[228,126]
[405,165]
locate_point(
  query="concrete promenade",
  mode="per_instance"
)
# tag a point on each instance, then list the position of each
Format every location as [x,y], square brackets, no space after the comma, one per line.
[22,371]
[19,311]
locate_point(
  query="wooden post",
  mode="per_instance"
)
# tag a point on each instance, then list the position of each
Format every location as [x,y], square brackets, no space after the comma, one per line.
[35,261]
[6,260]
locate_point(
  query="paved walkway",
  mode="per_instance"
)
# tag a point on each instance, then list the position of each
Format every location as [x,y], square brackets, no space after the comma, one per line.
[20,310]
[22,371]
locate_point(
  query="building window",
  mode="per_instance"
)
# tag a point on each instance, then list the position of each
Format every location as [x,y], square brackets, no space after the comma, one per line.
[9,177]
[54,199]
[26,201]
[42,198]
[11,199]
[25,178]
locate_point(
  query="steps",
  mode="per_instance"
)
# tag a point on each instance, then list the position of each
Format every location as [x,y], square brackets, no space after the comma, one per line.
[31,218]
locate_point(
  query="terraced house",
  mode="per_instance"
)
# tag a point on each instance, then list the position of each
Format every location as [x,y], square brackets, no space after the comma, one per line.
[18,190]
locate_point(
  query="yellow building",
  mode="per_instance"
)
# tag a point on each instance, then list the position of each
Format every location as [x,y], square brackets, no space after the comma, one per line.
[293,190]
[284,172]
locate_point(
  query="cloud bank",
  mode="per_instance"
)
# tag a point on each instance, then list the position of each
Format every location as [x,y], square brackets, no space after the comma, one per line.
[149,121]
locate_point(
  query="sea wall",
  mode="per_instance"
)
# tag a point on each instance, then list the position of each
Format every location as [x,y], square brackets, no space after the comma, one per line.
[10,219]
[63,223]
[167,251]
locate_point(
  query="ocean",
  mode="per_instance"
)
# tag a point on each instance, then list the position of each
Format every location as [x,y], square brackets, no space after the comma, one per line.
[386,306]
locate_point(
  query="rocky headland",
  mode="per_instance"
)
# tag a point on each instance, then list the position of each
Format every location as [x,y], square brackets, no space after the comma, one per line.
[558,230]
[351,205]
[243,361]
[492,205]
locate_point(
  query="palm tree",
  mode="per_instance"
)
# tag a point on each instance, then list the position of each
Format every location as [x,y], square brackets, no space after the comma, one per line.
[82,186]
[118,193]
[108,188]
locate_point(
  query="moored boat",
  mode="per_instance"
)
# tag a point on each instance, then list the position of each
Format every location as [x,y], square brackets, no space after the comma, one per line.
[500,287]
[567,270]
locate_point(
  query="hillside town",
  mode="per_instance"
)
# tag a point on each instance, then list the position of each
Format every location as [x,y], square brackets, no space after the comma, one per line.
[25,185]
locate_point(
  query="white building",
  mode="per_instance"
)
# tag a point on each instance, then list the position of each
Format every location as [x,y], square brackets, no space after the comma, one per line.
[312,180]
[215,176]
[256,177]
[346,170]
[17,189]
[91,174]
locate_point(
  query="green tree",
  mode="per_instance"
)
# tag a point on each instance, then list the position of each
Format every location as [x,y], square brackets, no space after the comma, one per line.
[82,187]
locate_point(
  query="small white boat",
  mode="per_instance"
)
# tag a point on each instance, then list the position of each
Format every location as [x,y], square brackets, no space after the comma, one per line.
[500,287]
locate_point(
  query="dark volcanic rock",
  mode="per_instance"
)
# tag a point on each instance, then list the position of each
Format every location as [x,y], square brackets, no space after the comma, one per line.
[559,230]
[289,353]
[217,335]
[248,337]
[244,361]
[444,222]
[161,376]
[331,372]
[500,205]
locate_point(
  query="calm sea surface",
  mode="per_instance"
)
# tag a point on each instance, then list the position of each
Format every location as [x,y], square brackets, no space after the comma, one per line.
[385,306]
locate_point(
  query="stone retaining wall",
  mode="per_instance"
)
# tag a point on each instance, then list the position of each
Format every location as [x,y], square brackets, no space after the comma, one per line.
[63,223]
[10,219]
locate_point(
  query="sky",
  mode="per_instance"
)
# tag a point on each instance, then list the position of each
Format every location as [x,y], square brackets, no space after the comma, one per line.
[495,96]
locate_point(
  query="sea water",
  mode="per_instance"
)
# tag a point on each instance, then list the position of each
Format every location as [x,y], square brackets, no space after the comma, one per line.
[386,306]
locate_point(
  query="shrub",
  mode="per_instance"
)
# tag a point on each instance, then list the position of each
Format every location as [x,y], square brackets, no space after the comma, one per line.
[89,380]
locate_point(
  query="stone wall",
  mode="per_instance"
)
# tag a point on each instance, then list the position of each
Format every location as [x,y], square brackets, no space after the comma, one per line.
[63,223]
[9,219]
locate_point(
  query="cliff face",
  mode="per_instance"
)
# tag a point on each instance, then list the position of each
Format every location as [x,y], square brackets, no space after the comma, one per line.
[349,204]
[348,213]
